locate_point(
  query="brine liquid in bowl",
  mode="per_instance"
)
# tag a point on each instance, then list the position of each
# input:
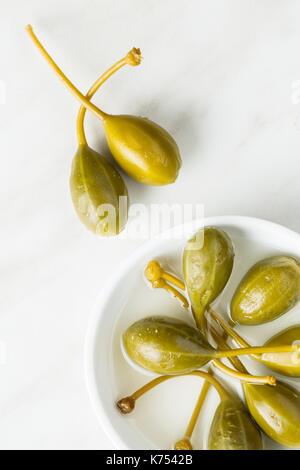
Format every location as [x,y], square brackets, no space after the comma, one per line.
[161,416]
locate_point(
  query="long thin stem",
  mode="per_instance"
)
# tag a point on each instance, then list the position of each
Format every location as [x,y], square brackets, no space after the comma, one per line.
[235,361]
[257,350]
[241,373]
[132,58]
[126,405]
[230,331]
[162,284]
[169,277]
[83,100]
[204,375]
[243,376]
[154,273]
[191,426]
[185,442]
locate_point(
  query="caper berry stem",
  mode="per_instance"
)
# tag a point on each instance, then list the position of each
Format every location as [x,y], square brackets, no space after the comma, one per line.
[153,273]
[162,284]
[191,426]
[100,114]
[235,361]
[169,277]
[242,374]
[257,350]
[127,404]
[133,58]
[175,293]
[185,442]
[198,373]
[230,331]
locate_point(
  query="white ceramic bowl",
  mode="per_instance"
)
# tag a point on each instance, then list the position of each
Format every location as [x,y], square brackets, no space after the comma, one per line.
[161,417]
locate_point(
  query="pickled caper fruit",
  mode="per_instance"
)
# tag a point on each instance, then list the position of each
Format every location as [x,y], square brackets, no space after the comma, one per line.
[166,345]
[169,346]
[276,410]
[146,151]
[207,265]
[97,190]
[232,427]
[269,289]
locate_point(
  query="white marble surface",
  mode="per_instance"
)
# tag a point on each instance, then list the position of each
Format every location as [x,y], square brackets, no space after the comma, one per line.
[218,75]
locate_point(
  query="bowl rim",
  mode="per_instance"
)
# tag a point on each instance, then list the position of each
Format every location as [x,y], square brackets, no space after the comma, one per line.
[99,307]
